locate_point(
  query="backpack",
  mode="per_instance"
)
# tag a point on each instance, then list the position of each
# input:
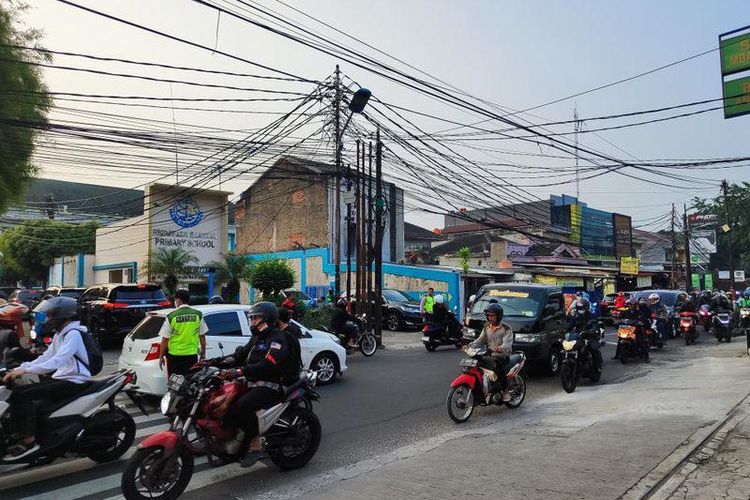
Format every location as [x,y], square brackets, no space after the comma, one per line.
[93,351]
[296,352]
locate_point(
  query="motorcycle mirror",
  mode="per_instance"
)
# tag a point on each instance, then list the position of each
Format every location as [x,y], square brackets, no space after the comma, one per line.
[221,348]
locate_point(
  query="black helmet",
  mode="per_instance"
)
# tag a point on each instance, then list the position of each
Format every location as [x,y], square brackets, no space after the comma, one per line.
[50,314]
[216,299]
[496,309]
[268,312]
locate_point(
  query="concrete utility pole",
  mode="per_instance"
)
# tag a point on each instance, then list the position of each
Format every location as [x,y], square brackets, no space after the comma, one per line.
[348,233]
[727,221]
[337,193]
[688,270]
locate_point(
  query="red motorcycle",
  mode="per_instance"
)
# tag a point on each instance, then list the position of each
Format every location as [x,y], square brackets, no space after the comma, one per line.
[163,464]
[705,317]
[688,327]
[468,389]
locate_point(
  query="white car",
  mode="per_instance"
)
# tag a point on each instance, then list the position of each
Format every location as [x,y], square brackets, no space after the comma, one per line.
[228,324]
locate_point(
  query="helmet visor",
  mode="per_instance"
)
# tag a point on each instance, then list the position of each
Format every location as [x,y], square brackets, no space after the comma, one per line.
[40,318]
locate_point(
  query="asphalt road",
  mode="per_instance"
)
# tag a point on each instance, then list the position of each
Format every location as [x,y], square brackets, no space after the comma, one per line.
[393,399]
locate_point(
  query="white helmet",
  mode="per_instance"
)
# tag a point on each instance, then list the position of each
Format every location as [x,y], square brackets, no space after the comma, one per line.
[439,299]
[654,296]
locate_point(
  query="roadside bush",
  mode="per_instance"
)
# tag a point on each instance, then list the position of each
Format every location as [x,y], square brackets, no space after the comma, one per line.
[318,319]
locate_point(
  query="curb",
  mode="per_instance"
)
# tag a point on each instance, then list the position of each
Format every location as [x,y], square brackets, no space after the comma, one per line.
[664,479]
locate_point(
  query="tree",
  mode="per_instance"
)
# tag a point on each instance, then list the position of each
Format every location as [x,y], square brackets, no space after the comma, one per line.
[24,107]
[168,265]
[738,202]
[29,249]
[272,276]
[464,254]
[232,271]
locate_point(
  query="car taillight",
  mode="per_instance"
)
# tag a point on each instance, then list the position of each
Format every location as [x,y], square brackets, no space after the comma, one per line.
[115,305]
[153,353]
[425,328]
[686,322]
[165,303]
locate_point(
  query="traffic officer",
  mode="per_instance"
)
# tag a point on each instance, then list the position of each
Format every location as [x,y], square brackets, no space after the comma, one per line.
[183,336]
[427,305]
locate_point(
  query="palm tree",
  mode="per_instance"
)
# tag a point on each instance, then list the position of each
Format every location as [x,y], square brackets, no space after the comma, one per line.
[232,271]
[169,265]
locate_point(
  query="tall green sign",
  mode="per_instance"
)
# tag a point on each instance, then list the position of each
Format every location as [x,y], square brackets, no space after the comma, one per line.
[708,281]
[696,281]
[734,53]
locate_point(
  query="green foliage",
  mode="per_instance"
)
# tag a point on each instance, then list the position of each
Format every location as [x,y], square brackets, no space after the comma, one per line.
[464,254]
[32,247]
[318,319]
[232,271]
[23,115]
[739,208]
[168,265]
[272,276]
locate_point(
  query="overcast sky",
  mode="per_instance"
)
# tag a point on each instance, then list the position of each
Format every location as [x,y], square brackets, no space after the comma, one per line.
[514,53]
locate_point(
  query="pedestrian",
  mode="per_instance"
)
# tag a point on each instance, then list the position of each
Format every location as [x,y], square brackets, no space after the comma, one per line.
[330,296]
[290,305]
[183,336]
[427,305]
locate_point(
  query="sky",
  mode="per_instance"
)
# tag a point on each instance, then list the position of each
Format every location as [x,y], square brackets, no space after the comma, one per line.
[515,54]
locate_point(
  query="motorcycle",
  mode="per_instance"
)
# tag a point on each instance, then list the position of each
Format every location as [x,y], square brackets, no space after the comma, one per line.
[722,326]
[688,327]
[437,334]
[580,359]
[87,424]
[468,389]
[163,464]
[656,339]
[745,318]
[365,340]
[704,316]
[627,344]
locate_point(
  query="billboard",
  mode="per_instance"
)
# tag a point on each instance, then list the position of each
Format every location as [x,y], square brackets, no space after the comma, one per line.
[736,95]
[629,265]
[702,245]
[623,235]
[735,54]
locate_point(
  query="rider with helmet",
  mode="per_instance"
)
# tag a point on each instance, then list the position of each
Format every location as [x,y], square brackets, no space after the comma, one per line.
[66,359]
[498,338]
[442,316]
[744,300]
[268,363]
[660,311]
[579,312]
[637,311]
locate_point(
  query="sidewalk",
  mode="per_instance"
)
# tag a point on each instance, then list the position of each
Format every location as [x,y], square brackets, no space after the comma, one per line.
[402,340]
[599,442]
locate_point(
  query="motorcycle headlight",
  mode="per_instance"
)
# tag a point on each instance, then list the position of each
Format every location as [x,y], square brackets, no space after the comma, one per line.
[529,338]
[166,402]
[469,333]
[568,344]
[32,334]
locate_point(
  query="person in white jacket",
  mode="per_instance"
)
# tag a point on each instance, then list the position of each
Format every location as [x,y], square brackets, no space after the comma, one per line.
[66,359]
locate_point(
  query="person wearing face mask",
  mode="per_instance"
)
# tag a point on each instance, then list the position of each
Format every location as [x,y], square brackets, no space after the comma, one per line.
[268,362]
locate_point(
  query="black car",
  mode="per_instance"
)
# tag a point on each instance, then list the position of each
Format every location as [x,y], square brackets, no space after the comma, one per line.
[29,297]
[112,310]
[536,313]
[399,310]
[56,291]
[669,298]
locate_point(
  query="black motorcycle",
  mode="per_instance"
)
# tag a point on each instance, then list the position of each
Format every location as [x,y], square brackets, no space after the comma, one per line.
[580,357]
[435,335]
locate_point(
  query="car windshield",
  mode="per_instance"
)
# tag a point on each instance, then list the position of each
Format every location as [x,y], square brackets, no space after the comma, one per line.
[523,303]
[138,295]
[148,328]
[395,296]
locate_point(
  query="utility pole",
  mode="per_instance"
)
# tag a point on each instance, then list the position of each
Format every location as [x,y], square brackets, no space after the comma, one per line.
[577,128]
[379,206]
[358,233]
[348,233]
[727,221]
[673,281]
[369,237]
[688,270]
[337,194]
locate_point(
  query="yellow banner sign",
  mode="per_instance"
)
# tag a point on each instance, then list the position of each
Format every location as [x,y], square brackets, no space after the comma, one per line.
[629,265]
[509,293]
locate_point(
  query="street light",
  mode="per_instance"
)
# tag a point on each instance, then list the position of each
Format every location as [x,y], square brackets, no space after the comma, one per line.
[356,105]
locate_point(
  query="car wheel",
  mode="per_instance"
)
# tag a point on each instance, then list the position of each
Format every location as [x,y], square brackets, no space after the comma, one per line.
[393,321]
[326,364]
[553,361]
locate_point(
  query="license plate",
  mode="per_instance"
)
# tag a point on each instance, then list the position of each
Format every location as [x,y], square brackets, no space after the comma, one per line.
[469,363]
[425,339]
[175,381]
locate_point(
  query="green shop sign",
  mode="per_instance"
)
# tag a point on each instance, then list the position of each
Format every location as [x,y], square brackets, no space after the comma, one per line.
[735,54]
[736,97]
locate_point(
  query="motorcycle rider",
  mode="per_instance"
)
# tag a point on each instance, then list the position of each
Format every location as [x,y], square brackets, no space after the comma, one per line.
[620,300]
[656,308]
[442,316]
[66,359]
[344,324]
[498,337]
[642,317]
[744,301]
[268,363]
